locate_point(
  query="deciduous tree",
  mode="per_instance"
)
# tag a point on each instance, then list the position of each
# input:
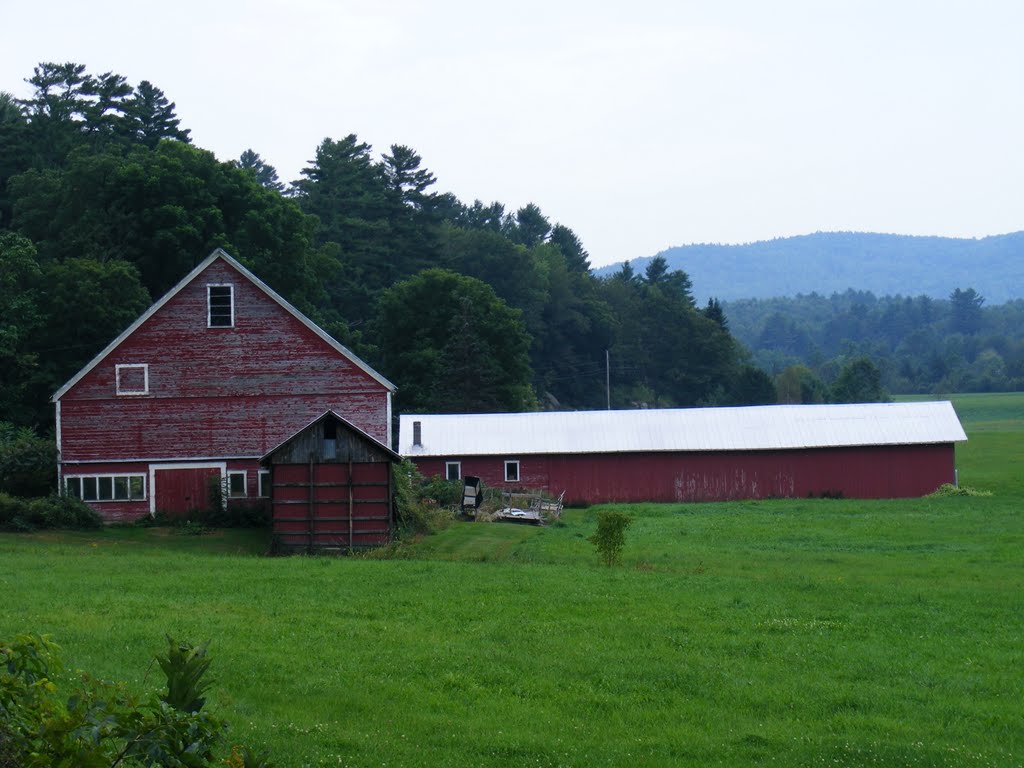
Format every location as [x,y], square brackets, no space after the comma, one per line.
[451,345]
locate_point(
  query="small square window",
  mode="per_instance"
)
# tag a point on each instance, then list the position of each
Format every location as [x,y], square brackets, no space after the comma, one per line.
[220,306]
[106,488]
[453,470]
[264,484]
[132,378]
[74,486]
[236,485]
[511,471]
[136,488]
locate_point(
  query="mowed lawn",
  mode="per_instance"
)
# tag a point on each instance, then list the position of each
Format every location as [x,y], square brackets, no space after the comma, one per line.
[786,632]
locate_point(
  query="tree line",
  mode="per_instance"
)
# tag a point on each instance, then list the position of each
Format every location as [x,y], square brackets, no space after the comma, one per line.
[105,203]
[919,344]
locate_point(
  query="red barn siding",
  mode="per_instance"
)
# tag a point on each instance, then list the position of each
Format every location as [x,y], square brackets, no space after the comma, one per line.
[321,506]
[217,391]
[865,472]
[215,394]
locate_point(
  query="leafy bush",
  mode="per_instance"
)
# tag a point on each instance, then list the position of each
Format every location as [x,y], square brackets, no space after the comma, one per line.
[418,512]
[49,512]
[28,463]
[98,723]
[610,537]
[444,493]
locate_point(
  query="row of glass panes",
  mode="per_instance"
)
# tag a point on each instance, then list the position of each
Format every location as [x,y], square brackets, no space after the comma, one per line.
[107,487]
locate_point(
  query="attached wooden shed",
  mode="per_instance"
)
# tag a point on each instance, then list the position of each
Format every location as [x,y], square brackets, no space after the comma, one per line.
[331,488]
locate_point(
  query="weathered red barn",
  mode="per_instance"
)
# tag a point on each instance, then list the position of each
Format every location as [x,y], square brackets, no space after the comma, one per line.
[331,488]
[879,450]
[201,386]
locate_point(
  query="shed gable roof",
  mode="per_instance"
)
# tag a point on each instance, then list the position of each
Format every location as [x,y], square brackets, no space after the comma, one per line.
[771,427]
[266,289]
[346,424]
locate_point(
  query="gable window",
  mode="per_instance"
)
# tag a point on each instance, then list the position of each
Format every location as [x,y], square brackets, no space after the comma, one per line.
[236,485]
[453,470]
[132,378]
[511,471]
[330,439]
[264,489]
[106,487]
[220,305]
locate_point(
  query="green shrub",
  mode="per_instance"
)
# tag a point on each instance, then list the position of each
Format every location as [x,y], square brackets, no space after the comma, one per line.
[418,511]
[28,463]
[444,493]
[48,512]
[11,509]
[610,537]
[98,723]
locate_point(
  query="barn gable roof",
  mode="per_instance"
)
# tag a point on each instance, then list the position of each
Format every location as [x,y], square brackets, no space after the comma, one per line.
[219,253]
[346,424]
[771,427]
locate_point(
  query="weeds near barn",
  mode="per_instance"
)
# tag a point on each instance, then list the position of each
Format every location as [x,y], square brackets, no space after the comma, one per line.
[948,489]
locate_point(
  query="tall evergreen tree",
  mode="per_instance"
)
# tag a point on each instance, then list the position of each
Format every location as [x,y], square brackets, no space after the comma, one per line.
[265,174]
[531,226]
[150,117]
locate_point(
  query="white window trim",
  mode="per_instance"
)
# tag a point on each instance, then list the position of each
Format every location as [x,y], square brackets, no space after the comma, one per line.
[129,475]
[458,470]
[209,313]
[145,379]
[245,483]
[512,462]
[263,473]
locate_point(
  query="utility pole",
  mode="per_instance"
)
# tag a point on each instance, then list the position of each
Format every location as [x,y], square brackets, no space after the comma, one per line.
[608,379]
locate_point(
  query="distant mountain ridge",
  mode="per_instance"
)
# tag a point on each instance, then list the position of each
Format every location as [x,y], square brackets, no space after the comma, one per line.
[832,262]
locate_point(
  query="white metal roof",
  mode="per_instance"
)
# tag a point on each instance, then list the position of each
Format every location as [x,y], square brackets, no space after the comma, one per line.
[751,428]
[219,253]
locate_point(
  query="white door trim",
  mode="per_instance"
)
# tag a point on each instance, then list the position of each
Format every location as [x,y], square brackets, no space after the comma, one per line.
[153,468]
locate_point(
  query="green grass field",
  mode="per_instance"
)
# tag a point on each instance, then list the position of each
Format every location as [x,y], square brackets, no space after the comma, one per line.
[791,633]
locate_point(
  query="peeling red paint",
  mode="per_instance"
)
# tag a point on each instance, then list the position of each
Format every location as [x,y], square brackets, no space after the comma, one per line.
[214,394]
[867,472]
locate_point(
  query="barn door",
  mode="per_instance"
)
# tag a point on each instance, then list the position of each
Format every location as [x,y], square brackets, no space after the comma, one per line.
[179,491]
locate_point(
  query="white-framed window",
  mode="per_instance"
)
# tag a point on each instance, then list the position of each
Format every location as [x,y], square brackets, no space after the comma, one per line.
[220,306]
[453,470]
[106,487]
[132,378]
[264,489]
[512,471]
[237,484]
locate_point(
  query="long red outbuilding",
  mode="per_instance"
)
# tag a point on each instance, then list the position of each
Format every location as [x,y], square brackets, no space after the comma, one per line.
[877,450]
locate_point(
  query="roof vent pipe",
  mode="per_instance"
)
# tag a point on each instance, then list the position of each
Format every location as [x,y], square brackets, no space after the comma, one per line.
[417,434]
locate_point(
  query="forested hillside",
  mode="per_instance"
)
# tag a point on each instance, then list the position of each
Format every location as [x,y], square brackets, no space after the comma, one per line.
[832,262]
[105,204]
[920,344]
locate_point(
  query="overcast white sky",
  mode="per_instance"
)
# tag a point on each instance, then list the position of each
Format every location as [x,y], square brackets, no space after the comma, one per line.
[641,125]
